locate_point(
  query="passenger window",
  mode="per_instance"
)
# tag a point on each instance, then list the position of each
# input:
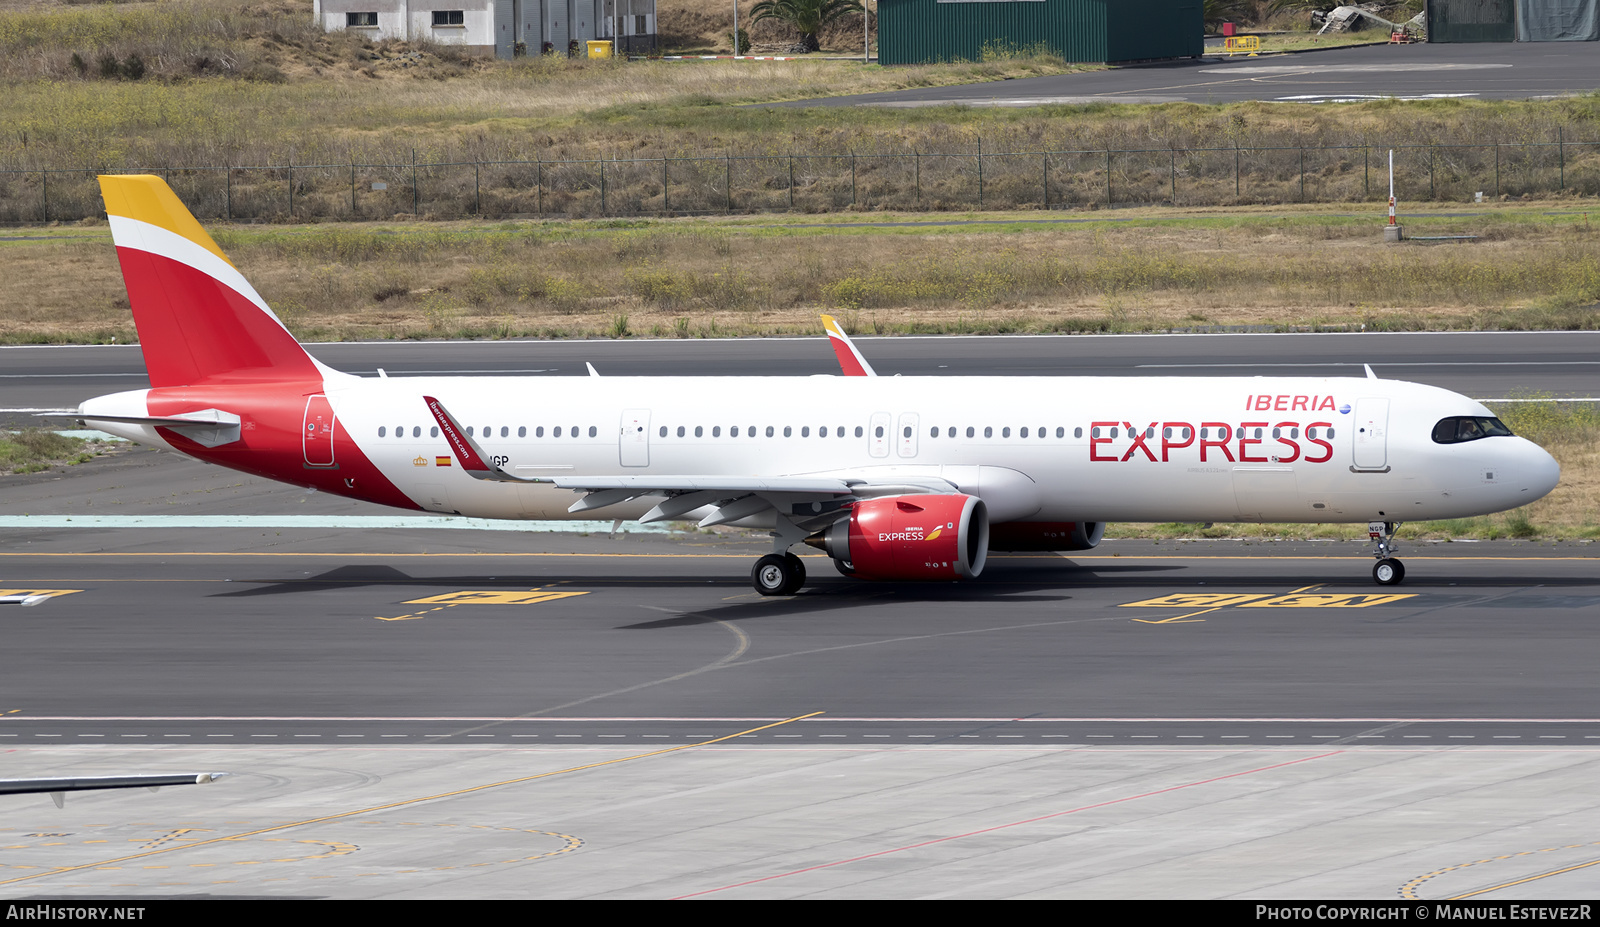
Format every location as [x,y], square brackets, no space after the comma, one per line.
[879,432]
[663,431]
[433,432]
[382,431]
[716,431]
[538,432]
[988,431]
[952,431]
[1076,432]
[522,431]
[970,431]
[698,430]
[787,431]
[593,431]
[469,431]
[906,432]
[1238,434]
[1023,433]
[1041,432]
[680,431]
[769,431]
[733,432]
[932,432]
[1114,432]
[858,431]
[505,431]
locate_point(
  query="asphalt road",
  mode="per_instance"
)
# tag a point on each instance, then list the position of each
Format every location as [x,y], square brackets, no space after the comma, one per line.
[1484,71]
[434,713]
[1482,365]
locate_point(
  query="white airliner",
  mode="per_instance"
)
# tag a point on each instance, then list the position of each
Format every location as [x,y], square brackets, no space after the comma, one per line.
[897,478]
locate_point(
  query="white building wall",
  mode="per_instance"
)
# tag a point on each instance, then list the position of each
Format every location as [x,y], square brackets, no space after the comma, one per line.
[533,22]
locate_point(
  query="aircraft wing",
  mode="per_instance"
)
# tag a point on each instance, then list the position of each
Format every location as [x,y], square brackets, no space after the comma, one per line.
[58,787]
[799,498]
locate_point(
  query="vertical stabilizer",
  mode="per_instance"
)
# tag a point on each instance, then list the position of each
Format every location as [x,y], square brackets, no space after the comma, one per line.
[199,320]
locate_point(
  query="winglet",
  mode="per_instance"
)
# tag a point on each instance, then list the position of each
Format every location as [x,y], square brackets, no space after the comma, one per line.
[850,359]
[473,459]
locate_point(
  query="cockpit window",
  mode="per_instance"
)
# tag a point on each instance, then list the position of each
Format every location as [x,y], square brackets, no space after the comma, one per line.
[1467,428]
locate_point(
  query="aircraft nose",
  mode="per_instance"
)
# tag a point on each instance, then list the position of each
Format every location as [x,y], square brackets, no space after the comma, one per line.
[1539,471]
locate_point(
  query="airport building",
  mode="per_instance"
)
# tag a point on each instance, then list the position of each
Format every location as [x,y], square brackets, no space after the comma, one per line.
[1513,20]
[925,31]
[502,28]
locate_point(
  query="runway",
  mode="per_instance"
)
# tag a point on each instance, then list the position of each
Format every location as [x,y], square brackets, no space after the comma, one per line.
[425,713]
[1499,71]
[1478,364]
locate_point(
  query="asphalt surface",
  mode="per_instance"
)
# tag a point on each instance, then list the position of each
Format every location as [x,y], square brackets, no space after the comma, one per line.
[430,713]
[1511,71]
[1481,365]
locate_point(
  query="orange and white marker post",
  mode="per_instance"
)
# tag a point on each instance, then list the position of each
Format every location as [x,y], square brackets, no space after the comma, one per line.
[1393,231]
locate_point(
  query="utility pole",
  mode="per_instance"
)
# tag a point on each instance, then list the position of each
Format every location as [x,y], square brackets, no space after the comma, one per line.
[736,30]
[866,25]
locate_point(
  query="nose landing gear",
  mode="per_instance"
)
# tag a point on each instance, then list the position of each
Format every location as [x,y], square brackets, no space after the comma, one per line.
[1388,571]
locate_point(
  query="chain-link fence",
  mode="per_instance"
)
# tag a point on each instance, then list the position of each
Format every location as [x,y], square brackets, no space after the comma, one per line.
[813,183]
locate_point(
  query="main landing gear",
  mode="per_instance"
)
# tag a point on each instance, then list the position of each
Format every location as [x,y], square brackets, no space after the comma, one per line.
[1387,571]
[778,574]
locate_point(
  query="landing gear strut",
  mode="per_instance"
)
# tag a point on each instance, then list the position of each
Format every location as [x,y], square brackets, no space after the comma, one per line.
[778,574]
[1388,571]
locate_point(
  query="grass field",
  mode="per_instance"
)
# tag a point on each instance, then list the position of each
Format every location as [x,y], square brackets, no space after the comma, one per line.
[1533,266]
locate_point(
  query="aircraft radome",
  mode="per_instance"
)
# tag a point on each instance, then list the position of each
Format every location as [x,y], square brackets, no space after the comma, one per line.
[895,478]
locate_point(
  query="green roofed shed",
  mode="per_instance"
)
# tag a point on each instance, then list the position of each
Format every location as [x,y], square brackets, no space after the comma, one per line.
[922,31]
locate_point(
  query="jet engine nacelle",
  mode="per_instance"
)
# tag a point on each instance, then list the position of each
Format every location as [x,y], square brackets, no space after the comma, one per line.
[920,537]
[1046,535]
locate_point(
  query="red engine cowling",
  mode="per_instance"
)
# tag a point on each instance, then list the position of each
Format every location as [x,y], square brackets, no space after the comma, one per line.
[1046,535]
[910,538]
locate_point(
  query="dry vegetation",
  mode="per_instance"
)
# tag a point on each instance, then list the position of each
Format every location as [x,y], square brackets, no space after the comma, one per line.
[1157,270]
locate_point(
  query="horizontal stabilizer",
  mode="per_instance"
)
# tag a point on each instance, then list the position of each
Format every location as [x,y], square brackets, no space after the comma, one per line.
[206,427]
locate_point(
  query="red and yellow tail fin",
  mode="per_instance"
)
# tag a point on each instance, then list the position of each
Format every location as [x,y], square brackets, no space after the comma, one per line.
[199,320]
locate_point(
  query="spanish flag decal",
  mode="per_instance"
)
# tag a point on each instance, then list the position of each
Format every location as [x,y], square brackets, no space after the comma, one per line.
[441,461]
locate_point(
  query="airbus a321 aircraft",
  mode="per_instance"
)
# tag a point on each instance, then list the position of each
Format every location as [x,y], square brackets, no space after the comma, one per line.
[895,478]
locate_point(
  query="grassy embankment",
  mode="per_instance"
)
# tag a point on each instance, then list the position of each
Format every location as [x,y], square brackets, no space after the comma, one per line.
[33,450]
[1532,267]
[224,84]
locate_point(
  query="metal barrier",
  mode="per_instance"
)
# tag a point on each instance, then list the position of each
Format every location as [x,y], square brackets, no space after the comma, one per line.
[1242,43]
[907,181]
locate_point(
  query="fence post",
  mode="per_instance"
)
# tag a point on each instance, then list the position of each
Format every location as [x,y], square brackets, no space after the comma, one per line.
[1235,168]
[727,179]
[538,179]
[229,171]
[1496,168]
[352,189]
[477,189]
[44,181]
[291,188]
[791,180]
[1108,176]
[1174,155]
[1302,175]
[1044,163]
[416,198]
[1561,155]
[1432,151]
[916,157]
[602,188]
[1366,174]
[980,172]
